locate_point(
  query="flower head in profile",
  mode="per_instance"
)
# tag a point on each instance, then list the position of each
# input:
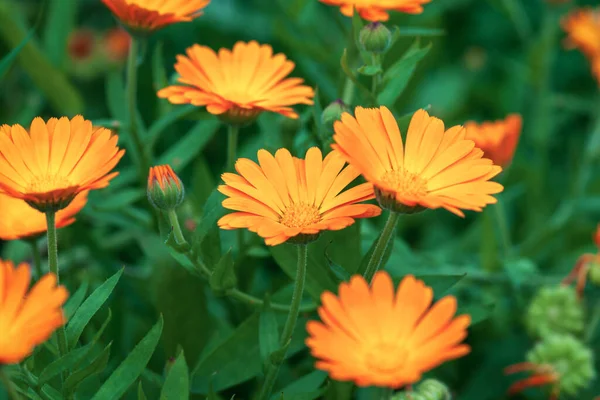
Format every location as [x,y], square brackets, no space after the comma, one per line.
[434,168]
[583,31]
[377,10]
[497,139]
[56,160]
[379,336]
[27,317]
[238,84]
[283,198]
[20,221]
[146,15]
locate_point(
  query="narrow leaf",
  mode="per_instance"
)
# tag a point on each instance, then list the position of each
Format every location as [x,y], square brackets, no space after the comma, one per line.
[60,22]
[75,300]
[268,335]
[223,277]
[8,59]
[95,367]
[140,392]
[177,384]
[64,363]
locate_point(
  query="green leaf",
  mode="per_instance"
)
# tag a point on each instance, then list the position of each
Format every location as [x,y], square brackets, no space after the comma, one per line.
[75,300]
[211,394]
[211,212]
[268,334]
[340,274]
[357,25]
[89,308]
[97,365]
[118,200]
[168,119]
[317,112]
[177,383]
[370,70]
[160,80]
[348,72]
[439,283]
[307,386]
[410,31]
[131,368]
[60,21]
[116,96]
[140,393]
[223,277]
[396,78]
[367,257]
[8,59]
[66,362]
[478,312]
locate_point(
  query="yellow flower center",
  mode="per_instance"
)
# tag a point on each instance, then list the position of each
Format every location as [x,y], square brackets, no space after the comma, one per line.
[300,215]
[48,183]
[405,182]
[385,357]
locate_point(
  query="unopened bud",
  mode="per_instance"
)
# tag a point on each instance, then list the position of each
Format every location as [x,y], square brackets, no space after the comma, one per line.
[555,309]
[333,112]
[375,38]
[165,189]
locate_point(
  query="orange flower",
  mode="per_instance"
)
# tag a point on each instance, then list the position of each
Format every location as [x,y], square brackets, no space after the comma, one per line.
[27,319]
[116,44]
[165,189]
[56,160]
[240,84]
[377,10]
[586,264]
[497,139]
[433,169]
[20,221]
[146,15]
[583,29]
[81,44]
[286,198]
[375,336]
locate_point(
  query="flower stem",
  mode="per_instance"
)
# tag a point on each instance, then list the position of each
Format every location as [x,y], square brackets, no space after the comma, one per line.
[348,93]
[290,323]
[37,259]
[176,227]
[232,139]
[9,385]
[143,159]
[258,303]
[382,243]
[500,212]
[53,267]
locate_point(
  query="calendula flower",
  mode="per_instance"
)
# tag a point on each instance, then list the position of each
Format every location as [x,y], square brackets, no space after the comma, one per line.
[240,84]
[150,15]
[165,189]
[434,168]
[54,161]
[583,31]
[497,139]
[284,198]
[116,44]
[376,336]
[27,318]
[377,10]
[587,264]
[20,221]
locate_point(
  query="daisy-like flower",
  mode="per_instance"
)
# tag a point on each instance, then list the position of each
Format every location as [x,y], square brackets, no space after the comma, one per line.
[284,198]
[238,85]
[434,168]
[497,139]
[377,10]
[583,31]
[54,161]
[20,221]
[376,336]
[27,318]
[150,15]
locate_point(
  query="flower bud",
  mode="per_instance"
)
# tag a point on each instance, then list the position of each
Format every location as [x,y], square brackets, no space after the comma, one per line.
[555,310]
[333,112]
[434,390]
[165,189]
[375,38]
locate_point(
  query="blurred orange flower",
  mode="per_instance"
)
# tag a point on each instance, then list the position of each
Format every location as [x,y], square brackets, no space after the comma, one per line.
[116,44]
[27,318]
[81,44]
[377,10]
[145,15]
[497,139]
[20,221]
[286,198]
[56,160]
[377,336]
[238,84]
[583,31]
[435,168]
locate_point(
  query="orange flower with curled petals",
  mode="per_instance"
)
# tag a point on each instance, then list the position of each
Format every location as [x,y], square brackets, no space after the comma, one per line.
[583,31]
[497,139]
[587,264]
[238,85]
[56,160]
[378,336]
[434,168]
[377,10]
[283,198]
[27,318]
[20,221]
[150,15]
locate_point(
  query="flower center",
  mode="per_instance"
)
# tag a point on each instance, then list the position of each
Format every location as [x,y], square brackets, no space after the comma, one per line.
[300,215]
[405,182]
[48,183]
[385,357]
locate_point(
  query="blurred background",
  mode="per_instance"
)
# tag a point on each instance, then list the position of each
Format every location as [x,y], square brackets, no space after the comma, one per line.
[488,59]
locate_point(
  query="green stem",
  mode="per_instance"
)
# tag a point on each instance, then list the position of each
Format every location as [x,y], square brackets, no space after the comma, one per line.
[348,93]
[386,235]
[290,323]
[232,139]
[258,303]
[132,61]
[500,212]
[375,84]
[37,258]
[9,385]
[176,227]
[53,267]
[589,334]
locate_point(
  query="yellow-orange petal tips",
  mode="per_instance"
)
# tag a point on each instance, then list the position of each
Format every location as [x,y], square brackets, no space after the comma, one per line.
[56,160]
[434,167]
[377,10]
[239,84]
[144,15]
[582,27]
[381,336]
[20,221]
[287,199]
[27,317]
[497,139]
[165,189]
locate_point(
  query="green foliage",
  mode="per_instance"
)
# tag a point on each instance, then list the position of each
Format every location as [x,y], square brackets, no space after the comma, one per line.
[177,383]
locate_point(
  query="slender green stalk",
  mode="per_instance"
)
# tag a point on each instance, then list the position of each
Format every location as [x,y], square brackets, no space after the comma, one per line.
[53,267]
[37,258]
[232,139]
[290,323]
[258,303]
[500,212]
[176,227]
[382,243]
[9,385]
